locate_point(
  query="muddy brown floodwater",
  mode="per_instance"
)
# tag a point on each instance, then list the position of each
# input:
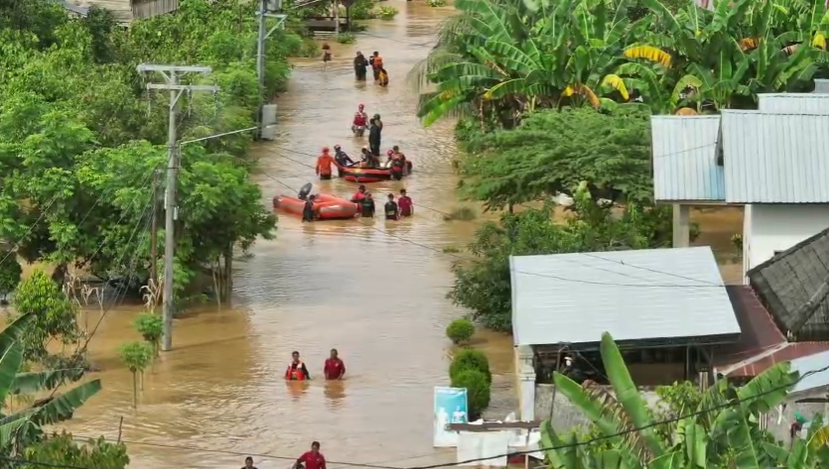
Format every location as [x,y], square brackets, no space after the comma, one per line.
[374,291]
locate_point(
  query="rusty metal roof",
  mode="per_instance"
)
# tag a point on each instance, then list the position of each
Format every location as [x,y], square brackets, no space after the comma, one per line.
[758,331]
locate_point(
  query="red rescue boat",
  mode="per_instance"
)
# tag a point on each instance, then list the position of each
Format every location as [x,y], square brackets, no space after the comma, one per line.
[327,206]
[362,175]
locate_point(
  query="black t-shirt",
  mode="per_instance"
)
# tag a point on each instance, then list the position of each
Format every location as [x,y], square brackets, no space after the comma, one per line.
[391,209]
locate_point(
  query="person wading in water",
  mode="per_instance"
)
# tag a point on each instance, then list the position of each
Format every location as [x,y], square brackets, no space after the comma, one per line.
[375,131]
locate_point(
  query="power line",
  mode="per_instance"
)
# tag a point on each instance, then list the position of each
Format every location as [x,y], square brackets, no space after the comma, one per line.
[729,404]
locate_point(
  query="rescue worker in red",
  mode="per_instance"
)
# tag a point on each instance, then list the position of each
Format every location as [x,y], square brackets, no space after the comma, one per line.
[359,195]
[296,370]
[358,125]
[404,202]
[311,459]
[325,163]
[334,368]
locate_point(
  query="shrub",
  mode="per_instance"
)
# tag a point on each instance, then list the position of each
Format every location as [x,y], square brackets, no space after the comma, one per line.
[478,390]
[460,331]
[362,10]
[10,273]
[151,328]
[437,3]
[469,359]
[346,38]
[387,13]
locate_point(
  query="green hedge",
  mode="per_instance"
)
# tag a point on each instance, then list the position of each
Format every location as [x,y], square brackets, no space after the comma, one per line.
[460,331]
[478,390]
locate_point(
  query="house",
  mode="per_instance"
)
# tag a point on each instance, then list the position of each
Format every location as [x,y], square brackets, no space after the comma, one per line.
[126,11]
[666,308]
[769,161]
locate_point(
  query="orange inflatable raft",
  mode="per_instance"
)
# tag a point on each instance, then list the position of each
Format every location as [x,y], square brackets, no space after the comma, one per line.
[357,174]
[328,207]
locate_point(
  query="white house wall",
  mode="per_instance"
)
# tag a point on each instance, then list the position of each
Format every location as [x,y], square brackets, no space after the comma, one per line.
[774,228]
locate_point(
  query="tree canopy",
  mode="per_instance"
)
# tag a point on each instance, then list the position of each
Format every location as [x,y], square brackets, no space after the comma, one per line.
[552,152]
[501,59]
[81,138]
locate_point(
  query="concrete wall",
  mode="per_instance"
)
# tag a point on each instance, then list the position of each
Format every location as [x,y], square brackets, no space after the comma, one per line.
[770,228]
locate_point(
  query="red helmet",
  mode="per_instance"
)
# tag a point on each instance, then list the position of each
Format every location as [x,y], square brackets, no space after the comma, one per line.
[325,149]
[360,106]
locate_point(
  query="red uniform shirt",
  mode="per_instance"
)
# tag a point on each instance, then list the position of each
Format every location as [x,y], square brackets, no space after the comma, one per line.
[405,204]
[334,368]
[313,461]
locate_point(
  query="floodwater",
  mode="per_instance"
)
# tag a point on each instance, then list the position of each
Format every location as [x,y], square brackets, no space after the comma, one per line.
[374,290]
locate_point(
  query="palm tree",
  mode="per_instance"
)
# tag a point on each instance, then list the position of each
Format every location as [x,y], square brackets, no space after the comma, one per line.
[24,426]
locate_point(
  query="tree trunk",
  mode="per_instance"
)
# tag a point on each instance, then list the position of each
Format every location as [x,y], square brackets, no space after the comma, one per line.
[228,273]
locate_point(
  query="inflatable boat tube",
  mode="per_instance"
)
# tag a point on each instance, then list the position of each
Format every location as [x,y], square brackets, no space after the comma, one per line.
[363,175]
[328,207]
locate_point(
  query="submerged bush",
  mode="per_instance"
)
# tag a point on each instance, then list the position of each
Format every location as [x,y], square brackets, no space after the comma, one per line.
[478,391]
[469,359]
[460,331]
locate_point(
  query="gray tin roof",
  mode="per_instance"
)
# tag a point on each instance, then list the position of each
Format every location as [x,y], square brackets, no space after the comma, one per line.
[639,294]
[811,363]
[794,103]
[684,159]
[775,158]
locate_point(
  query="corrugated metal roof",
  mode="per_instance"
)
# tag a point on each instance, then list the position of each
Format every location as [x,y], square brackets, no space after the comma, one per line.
[758,333]
[821,86]
[811,363]
[793,103]
[684,158]
[775,158]
[641,294]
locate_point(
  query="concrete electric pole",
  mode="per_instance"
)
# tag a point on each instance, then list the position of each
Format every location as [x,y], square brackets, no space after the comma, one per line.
[267,9]
[171,74]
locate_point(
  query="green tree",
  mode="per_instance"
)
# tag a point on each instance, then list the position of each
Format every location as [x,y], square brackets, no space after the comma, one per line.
[53,317]
[552,152]
[62,450]
[137,356]
[10,273]
[151,328]
[482,282]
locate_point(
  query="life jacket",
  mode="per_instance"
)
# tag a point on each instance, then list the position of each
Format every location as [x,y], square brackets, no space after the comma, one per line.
[398,161]
[360,118]
[324,163]
[295,374]
[358,196]
[377,62]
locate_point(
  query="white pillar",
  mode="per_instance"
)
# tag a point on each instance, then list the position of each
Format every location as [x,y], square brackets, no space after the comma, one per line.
[525,377]
[682,226]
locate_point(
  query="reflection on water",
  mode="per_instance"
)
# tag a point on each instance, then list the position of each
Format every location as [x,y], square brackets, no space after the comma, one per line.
[375,290]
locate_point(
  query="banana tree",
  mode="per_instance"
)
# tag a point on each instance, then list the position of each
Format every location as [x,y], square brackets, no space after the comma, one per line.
[26,425]
[726,435]
[509,57]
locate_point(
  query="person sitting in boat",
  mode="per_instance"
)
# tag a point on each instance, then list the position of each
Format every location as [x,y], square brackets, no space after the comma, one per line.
[342,159]
[397,162]
[368,160]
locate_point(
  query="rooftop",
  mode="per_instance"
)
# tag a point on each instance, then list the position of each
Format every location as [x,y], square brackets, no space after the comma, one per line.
[794,287]
[684,166]
[651,294]
[775,158]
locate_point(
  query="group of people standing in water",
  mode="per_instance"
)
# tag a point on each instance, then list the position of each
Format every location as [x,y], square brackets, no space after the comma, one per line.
[361,64]
[333,369]
[393,210]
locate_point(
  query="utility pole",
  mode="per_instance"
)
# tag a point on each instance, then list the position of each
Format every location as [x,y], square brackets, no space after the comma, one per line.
[267,9]
[154,237]
[337,19]
[171,74]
